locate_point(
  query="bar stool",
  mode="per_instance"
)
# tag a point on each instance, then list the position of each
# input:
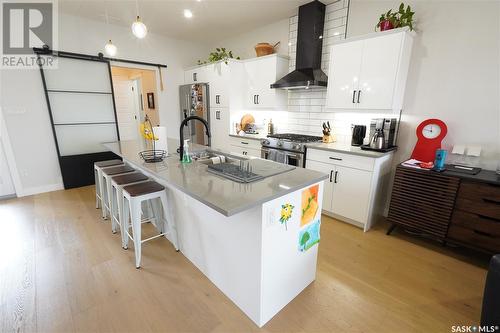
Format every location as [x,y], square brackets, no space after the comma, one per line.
[117,184]
[107,173]
[98,166]
[133,196]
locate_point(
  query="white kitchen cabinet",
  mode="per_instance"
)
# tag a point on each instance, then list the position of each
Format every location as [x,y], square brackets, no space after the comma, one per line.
[351,192]
[196,75]
[245,151]
[369,72]
[356,191]
[246,147]
[218,77]
[261,72]
[219,128]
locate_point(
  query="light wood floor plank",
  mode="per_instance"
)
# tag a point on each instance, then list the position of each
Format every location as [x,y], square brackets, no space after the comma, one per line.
[62,270]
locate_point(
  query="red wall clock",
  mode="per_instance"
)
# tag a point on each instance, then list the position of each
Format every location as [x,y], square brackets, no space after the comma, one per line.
[430,133]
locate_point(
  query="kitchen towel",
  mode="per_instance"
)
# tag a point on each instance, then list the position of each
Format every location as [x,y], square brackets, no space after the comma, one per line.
[160,132]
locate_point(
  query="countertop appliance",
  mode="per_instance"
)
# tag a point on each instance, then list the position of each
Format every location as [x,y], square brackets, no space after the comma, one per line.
[358,135]
[287,148]
[307,73]
[194,101]
[389,128]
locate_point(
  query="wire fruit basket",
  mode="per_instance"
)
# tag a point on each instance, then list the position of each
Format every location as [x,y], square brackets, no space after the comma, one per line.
[151,155]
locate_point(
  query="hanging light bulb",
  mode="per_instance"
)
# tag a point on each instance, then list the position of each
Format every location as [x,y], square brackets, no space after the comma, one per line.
[110,49]
[139,29]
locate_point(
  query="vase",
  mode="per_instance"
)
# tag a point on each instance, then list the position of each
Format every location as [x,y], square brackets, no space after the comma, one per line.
[386,25]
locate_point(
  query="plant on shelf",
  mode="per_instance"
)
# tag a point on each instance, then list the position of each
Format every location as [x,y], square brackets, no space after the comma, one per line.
[220,54]
[391,20]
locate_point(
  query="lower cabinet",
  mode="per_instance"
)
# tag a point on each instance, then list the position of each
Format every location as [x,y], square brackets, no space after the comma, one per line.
[357,193]
[245,151]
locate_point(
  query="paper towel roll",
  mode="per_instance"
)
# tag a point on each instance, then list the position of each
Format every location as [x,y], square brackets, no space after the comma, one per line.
[161,133]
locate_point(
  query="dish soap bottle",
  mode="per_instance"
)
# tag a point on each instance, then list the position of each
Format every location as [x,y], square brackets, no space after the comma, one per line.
[186,158]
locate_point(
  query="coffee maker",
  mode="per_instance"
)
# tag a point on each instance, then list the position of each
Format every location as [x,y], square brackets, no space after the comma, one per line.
[388,126]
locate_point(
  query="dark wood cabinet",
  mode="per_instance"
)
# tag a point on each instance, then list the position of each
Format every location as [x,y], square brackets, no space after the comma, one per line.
[450,207]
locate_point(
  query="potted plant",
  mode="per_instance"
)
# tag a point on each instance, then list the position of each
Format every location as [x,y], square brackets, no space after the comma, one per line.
[391,20]
[220,54]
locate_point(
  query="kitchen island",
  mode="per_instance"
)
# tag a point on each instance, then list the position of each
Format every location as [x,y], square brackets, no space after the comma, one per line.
[257,242]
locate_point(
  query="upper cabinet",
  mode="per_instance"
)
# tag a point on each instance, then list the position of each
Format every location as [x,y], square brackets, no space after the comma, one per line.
[370,73]
[196,75]
[261,72]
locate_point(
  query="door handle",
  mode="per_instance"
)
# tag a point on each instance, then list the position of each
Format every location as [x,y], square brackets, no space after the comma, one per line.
[353,96]
[335,180]
[359,94]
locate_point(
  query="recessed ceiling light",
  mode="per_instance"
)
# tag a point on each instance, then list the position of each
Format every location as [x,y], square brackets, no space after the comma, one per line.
[188,13]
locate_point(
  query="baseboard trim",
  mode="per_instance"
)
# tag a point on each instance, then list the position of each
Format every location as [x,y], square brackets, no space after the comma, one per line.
[8,196]
[41,189]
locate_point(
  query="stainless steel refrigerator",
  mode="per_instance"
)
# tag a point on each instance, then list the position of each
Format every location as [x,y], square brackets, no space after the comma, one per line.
[194,101]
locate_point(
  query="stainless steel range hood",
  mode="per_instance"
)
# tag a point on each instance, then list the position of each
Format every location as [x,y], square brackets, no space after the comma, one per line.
[307,73]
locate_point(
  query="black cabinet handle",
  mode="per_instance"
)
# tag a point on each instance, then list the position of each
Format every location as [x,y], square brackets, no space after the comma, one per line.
[217,99]
[335,158]
[353,96]
[195,78]
[359,94]
[257,99]
[254,99]
[217,115]
[331,175]
[335,180]
[245,143]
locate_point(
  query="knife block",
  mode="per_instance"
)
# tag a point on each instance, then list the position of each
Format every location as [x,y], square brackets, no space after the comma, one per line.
[328,138]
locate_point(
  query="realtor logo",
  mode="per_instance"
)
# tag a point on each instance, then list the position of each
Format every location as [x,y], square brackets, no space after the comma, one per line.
[26,25]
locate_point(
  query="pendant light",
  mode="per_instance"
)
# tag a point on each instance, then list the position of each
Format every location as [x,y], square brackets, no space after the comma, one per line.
[110,49]
[139,29]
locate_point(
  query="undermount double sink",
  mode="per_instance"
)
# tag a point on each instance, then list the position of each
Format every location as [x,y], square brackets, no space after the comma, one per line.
[239,169]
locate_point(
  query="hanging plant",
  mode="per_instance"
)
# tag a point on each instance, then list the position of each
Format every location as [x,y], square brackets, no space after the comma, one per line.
[220,54]
[391,20]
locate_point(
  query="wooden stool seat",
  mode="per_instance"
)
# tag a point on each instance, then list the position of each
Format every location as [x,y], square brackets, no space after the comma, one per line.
[103,164]
[143,188]
[117,170]
[129,178]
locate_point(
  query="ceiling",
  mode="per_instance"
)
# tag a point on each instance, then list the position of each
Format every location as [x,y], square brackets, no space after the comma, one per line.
[212,21]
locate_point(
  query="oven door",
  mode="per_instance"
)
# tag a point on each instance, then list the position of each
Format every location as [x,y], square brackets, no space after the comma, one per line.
[283,156]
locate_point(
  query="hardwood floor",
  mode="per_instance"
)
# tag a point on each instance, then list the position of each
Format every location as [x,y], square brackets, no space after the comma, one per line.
[62,270]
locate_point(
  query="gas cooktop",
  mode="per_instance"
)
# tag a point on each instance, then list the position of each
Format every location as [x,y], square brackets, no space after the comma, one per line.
[295,137]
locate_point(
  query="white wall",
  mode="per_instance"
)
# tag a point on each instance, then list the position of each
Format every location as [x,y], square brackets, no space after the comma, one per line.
[25,110]
[243,45]
[454,73]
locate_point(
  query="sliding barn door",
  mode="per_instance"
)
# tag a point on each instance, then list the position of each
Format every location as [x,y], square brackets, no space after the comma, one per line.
[82,111]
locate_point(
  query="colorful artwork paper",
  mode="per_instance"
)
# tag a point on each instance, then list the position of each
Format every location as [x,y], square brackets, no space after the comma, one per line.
[309,205]
[286,214]
[309,236]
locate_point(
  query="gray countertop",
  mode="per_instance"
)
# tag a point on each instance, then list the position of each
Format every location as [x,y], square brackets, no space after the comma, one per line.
[347,149]
[223,195]
[336,147]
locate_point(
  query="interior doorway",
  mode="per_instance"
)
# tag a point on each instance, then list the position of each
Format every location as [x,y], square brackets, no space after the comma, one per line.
[135,97]
[7,188]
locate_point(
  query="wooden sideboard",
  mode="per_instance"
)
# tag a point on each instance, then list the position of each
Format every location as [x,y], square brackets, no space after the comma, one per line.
[448,206]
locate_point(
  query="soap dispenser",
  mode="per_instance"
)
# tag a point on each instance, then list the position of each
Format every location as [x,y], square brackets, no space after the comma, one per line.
[186,158]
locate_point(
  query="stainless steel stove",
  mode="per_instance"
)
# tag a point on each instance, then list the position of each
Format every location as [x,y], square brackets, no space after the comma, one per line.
[287,148]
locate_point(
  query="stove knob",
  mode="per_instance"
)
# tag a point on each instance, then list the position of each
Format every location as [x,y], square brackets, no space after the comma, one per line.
[265,142]
[297,146]
[280,143]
